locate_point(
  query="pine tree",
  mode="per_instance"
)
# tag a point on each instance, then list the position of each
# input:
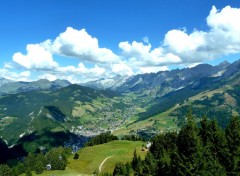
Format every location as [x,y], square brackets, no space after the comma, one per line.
[210,165]
[149,165]
[29,161]
[204,130]
[217,143]
[139,167]
[18,169]
[135,160]
[189,148]
[120,170]
[76,156]
[5,170]
[39,167]
[233,139]
[164,164]
[128,168]
[157,146]
[28,172]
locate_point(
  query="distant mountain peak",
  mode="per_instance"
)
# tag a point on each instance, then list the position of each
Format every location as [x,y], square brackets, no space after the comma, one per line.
[107,83]
[4,81]
[224,64]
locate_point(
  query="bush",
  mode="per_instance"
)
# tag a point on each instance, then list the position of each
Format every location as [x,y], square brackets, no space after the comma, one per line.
[76,156]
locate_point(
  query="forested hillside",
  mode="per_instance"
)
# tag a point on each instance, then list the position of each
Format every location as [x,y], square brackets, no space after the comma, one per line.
[195,150]
[201,148]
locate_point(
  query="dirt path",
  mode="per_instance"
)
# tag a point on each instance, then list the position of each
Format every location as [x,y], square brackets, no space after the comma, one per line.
[100,167]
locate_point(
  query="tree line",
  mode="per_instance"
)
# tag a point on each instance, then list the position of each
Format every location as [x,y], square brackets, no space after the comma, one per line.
[55,159]
[107,137]
[204,149]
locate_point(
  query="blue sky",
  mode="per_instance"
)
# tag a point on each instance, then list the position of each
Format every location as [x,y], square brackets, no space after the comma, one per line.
[83,40]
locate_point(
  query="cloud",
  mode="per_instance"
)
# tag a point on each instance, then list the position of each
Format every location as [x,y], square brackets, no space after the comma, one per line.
[141,55]
[79,44]
[222,38]
[179,47]
[81,69]
[25,74]
[122,69]
[15,76]
[48,76]
[75,74]
[37,57]
[152,69]
[145,39]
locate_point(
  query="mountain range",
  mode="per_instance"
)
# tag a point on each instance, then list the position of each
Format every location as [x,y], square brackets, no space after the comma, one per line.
[11,87]
[32,114]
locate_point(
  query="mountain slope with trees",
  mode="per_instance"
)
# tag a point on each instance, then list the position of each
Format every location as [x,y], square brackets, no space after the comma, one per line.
[204,150]
[34,118]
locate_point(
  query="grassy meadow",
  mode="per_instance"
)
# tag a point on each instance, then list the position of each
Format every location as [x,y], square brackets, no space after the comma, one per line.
[90,158]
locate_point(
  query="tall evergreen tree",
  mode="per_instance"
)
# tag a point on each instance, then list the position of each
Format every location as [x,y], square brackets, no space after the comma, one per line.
[204,130]
[149,165]
[217,143]
[139,167]
[189,148]
[18,169]
[128,168]
[39,167]
[233,139]
[28,171]
[135,160]
[29,161]
[209,164]
[120,170]
[5,170]
[164,164]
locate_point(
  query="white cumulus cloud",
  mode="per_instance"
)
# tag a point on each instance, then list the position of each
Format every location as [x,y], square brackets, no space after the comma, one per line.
[37,57]
[122,69]
[15,76]
[79,44]
[152,69]
[142,55]
[221,39]
[179,46]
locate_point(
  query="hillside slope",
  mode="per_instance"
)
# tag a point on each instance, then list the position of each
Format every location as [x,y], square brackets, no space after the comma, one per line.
[73,110]
[104,155]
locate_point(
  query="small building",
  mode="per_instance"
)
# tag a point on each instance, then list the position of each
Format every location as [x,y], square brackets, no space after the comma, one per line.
[49,167]
[148,145]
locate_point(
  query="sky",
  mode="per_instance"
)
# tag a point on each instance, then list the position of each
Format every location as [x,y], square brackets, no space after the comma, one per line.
[84,40]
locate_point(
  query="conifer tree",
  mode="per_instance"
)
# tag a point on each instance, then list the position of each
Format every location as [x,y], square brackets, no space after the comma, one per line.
[189,148]
[217,143]
[164,164]
[204,130]
[210,165]
[120,170]
[39,167]
[233,139]
[135,160]
[149,165]
[28,171]
[5,170]
[128,168]
[139,168]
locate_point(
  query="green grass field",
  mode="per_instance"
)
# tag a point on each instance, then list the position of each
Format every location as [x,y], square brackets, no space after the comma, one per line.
[90,158]
[163,122]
